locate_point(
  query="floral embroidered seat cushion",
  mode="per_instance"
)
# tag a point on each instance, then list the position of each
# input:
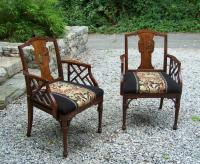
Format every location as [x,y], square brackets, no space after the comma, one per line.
[149,82]
[70,96]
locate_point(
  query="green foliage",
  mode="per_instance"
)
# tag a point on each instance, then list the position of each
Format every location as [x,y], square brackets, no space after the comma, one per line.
[109,16]
[21,19]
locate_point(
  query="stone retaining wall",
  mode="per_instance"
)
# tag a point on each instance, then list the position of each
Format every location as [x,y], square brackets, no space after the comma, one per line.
[75,41]
[9,67]
[72,45]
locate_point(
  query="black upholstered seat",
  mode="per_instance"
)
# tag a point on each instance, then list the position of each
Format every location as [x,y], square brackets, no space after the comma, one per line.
[71,96]
[149,82]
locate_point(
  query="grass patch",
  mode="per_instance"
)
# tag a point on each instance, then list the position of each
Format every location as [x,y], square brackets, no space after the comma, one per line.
[165,156]
[195,118]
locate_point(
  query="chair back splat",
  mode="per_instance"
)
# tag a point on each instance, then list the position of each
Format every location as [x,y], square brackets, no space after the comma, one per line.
[41,56]
[146,48]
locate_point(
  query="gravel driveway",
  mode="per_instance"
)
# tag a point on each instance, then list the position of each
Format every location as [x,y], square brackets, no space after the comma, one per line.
[149,137]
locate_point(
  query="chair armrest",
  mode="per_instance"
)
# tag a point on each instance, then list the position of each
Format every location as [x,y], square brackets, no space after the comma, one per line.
[39,91]
[173,69]
[80,73]
[31,76]
[123,63]
[76,62]
[173,58]
[123,70]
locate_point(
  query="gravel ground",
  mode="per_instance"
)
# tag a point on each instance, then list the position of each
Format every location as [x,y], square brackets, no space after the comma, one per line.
[149,137]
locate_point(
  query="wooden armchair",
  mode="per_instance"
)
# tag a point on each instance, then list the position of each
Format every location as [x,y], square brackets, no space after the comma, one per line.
[147,82]
[60,98]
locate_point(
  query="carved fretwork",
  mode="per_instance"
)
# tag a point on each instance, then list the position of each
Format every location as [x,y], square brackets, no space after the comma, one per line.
[42,58]
[146,48]
[40,92]
[80,75]
[174,69]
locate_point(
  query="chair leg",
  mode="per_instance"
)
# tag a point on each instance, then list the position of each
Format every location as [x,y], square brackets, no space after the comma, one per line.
[125,106]
[161,103]
[100,111]
[30,119]
[65,126]
[177,108]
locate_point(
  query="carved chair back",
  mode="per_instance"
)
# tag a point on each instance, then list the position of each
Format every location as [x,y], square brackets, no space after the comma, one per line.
[42,57]
[146,47]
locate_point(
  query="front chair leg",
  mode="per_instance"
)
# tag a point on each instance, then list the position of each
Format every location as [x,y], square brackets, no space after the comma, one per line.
[161,103]
[177,108]
[125,107]
[100,111]
[65,126]
[30,119]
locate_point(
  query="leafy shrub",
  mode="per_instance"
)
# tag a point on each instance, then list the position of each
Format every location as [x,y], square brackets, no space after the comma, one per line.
[20,19]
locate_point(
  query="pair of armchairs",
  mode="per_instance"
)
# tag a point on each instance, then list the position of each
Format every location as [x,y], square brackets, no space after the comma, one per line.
[64,99]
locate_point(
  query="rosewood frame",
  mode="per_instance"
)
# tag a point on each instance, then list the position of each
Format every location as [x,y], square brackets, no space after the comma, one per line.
[44,99]
[171,66]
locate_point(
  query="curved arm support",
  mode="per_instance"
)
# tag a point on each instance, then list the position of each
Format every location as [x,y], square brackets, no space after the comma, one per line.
[173,69]
[39,91]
